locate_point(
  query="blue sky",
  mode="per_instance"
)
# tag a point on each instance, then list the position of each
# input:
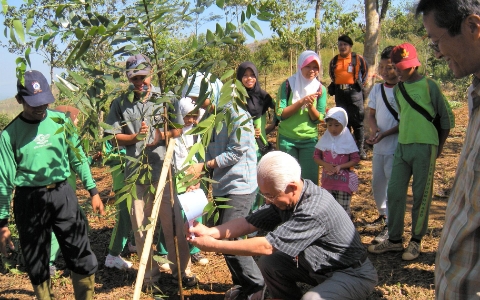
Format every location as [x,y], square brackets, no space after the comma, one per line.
[8,79]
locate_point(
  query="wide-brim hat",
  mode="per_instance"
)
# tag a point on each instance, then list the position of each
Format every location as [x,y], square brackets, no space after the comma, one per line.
[35,90]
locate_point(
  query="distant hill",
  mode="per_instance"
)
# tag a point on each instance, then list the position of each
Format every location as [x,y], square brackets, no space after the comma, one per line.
[10,107]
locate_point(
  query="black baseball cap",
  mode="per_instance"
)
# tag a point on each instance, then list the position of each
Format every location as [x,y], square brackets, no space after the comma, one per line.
[36,90]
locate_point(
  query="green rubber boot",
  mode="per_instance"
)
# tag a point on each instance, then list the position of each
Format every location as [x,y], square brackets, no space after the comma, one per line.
[83,286]
[43,291]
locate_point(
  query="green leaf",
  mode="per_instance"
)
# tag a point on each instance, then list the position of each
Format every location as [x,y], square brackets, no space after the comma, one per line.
[220,3]
[79,79]
[79,33]
[92,31]
[227,74]
[246,15]
[228,40]
[248,30]
[230,28]
[210,37]
[4,6]
[12,36]
[27,56]
[30,18]
[83,49]
[265,16]
[255,26]
[219,30]
[59,10]
[17,24]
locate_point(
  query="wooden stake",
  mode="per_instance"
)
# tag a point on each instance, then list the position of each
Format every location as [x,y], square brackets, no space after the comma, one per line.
[156,207]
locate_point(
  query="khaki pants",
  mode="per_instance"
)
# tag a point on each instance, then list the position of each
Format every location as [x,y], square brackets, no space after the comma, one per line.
[141,211]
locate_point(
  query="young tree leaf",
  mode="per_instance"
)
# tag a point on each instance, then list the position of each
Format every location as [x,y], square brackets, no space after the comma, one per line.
[248,30]
[255,26]
[17,24]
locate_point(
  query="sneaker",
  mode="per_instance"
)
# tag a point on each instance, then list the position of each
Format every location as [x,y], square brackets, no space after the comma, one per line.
[52,270]
[164,267]
[386,246]
[132,248]
[187,281]
[382,236]
[412,251]
[117,262]
[380,221]
[199,259]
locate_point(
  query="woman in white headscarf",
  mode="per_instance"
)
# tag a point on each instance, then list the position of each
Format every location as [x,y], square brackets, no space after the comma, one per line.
[337,152]
[301,104]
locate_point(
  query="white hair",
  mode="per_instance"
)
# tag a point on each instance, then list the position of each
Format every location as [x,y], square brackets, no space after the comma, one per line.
[279,168]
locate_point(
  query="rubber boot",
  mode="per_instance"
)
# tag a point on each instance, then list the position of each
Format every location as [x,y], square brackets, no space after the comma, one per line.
[43,291]
[83,286]
[359,134]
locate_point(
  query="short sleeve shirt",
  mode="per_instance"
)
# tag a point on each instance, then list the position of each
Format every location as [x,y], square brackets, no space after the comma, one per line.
[385,119]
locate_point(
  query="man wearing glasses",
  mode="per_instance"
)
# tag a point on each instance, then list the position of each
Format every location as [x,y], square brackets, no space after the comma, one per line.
[454,29]
[310,238]
[348,71]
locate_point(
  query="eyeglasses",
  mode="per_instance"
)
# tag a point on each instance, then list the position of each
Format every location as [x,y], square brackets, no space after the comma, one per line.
[268,198]
[435,45]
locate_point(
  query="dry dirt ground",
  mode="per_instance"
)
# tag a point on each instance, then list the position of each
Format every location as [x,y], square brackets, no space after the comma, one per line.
[397,279]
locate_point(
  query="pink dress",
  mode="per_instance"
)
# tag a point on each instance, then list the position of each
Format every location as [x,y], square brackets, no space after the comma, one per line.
[346,180]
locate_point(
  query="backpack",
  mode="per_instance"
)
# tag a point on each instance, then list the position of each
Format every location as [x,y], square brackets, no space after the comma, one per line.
[362,72]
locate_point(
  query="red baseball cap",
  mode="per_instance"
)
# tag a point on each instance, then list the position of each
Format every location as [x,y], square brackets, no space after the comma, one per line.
[404,56]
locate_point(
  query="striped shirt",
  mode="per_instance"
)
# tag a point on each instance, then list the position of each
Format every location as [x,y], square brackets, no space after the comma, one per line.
[317,230]
[236,158]
[457,266]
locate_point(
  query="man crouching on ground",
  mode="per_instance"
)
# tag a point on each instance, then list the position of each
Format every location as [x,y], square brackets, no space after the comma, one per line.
[311,239]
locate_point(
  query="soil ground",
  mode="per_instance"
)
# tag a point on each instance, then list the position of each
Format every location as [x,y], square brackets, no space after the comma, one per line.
[397,279]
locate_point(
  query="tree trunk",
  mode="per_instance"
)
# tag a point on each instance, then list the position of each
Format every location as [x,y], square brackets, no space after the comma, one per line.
[318,36]
[372,37]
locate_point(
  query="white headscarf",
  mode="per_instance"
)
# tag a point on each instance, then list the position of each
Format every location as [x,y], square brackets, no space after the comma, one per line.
[301,86]
[342,143]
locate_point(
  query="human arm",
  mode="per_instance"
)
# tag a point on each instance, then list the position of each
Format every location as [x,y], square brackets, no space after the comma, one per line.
[211,239]
[372,124]
[354,159]
[441,140]
[79,163]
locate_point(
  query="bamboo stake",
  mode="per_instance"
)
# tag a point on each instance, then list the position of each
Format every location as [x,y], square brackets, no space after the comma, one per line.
[156,207]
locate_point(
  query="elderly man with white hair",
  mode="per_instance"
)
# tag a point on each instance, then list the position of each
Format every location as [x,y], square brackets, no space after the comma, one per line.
[311,239]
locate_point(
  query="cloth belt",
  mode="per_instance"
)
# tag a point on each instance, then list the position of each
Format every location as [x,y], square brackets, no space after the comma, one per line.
[345,86]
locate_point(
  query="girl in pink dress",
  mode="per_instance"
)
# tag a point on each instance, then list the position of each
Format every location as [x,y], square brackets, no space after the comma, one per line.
[337,153]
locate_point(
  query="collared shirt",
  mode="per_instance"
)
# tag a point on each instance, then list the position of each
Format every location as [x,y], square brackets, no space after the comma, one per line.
[126,117]
[317,230]
[457,266]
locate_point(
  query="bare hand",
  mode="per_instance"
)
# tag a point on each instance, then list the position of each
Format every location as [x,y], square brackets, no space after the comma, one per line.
[257,132]
[5,241]
[309,100]
[97,205]
[193,187]
[97,156]
[195,169]
[156,139]
[143,131]
[330,169]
